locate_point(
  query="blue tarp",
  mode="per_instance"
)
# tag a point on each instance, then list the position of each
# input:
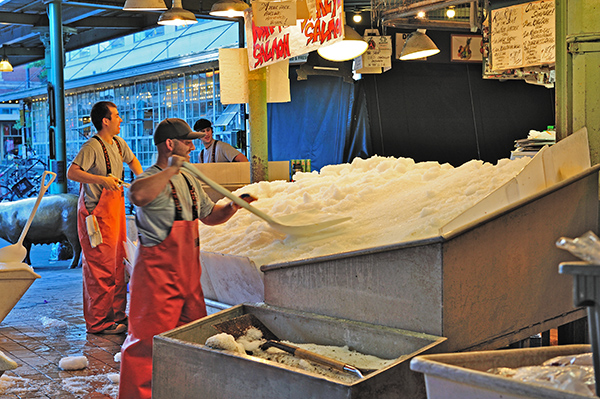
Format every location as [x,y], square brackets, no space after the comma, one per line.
[322,123]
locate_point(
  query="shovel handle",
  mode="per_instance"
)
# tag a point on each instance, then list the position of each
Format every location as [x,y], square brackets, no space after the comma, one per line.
[43,188]
[315,357]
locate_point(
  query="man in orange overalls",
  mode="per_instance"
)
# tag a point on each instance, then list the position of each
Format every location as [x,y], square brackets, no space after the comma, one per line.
[99,168]
[165,290]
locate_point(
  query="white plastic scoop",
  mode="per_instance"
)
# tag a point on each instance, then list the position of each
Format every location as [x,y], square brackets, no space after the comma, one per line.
[17,252]
[299,229]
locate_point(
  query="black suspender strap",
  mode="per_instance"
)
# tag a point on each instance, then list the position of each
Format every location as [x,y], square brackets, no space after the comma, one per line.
[214,158]
[178,209]
[214,151]
[107,159]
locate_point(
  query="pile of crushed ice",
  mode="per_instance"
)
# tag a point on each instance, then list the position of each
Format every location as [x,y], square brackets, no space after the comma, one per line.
[390,200]
[250,343]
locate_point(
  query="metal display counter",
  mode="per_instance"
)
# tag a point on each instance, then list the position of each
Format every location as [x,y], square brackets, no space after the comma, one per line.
[483,285]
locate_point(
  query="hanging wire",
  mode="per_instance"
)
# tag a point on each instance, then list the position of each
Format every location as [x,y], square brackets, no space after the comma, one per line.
[473,113]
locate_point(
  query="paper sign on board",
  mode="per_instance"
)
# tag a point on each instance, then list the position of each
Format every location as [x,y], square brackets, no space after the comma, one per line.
[271,44]
[233,70]
[274,13]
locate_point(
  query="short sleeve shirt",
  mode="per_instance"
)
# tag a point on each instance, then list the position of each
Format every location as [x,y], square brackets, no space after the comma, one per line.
[91,159]
[154,220]
[223,153]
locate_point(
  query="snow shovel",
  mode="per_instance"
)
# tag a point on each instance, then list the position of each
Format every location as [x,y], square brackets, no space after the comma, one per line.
[300,229]
[238,326]
[17,252]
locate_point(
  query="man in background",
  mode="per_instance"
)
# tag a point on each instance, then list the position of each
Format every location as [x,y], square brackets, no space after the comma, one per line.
[215,150]
[101,211]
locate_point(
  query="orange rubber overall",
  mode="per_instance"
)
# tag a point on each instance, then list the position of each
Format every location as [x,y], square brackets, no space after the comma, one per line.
[165,293]
[104,287]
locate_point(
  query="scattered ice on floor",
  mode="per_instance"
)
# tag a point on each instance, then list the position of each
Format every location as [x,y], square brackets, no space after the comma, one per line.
[102,383]
[48,322]
[117,357]
[73,363]
[16,385]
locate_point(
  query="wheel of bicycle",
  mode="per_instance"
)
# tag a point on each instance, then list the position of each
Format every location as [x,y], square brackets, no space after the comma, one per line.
[6,194]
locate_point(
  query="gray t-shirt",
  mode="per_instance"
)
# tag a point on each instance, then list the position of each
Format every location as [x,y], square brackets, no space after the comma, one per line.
[91,159]
[223,153]
[154,221]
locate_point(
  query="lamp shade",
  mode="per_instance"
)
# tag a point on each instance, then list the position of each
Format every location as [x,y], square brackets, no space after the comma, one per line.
[351,47]
[228,8]
[177,16]
[144,5]
[5,65]
[418,45]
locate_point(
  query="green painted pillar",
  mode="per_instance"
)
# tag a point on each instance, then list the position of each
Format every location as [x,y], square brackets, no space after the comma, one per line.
[578,71]
[257,107]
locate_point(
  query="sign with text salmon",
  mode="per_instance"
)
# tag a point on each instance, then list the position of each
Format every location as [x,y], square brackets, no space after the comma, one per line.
[270,44]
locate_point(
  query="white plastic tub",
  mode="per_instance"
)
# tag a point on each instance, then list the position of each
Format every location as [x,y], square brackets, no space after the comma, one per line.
[464,376]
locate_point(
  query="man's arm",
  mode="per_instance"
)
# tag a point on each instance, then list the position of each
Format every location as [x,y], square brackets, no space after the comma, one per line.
[77,174]
[135,166]
[240,158]
[145,190]
[222,213]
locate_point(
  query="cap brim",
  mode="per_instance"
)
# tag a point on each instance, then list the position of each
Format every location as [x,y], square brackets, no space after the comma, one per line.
[193,135]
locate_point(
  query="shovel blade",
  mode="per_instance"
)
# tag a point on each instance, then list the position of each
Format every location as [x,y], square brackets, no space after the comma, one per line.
[238,326]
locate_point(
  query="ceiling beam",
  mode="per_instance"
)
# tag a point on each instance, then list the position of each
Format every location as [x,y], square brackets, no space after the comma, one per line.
[23,51]
[15,18]
[111,22]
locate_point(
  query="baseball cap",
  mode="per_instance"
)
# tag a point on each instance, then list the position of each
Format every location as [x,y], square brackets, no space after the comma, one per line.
[175,128]
[202,124]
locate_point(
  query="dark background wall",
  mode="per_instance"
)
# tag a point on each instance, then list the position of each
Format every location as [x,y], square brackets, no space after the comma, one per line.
[438,110]
[433,110]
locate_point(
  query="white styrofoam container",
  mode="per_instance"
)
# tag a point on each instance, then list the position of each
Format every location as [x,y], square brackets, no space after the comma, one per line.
[463,375]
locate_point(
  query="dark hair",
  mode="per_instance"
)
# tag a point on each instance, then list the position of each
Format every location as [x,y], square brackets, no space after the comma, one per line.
[101,110]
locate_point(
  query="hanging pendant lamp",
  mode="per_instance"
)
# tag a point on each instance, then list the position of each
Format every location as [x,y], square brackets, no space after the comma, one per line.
[144,5]
[228,8]
[177,16]
[418,45]
[5,65]
[351,47]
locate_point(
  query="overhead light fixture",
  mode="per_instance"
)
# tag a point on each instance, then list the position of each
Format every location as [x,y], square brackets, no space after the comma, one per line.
[421,14]
[357,17]
[349,48]
[5,65]
[418,45]
[144,5]
[177,16]
[228,8]
[450,13]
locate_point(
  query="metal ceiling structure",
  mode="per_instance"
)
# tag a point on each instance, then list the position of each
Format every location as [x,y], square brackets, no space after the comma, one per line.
[24,24]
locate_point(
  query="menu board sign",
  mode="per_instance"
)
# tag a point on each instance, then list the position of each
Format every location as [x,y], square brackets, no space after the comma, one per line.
[523,35]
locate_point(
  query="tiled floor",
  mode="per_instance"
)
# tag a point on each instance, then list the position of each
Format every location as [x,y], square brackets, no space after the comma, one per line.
[47,325]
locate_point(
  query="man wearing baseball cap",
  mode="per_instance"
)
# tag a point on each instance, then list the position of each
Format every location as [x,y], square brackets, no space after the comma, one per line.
[215,150]
[165,290]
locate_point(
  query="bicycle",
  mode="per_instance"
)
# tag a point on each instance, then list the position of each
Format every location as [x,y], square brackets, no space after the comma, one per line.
[19,180]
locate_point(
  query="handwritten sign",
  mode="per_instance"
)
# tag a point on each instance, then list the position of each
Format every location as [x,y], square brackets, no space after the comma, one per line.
[523,35]
[270,44]
[274,13]
[379,52]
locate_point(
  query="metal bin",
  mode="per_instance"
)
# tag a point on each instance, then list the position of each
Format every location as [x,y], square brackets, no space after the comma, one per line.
[183,367]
